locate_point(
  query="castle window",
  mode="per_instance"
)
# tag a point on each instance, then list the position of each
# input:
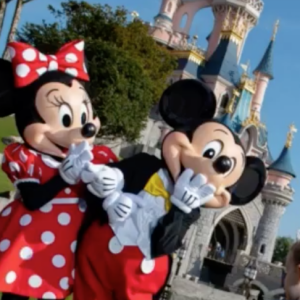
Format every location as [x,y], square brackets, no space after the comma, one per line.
[224,101]
[262,249]
[169,8]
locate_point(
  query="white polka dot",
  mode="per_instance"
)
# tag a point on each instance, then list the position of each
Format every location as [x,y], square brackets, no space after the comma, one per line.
[26,253]
[4,245]
[12,52]
[68,191]
[14,167]
[64,219]
[25,220]
[6,212]
[64,283]
[53,56]
[71,71]
[10,277]
[22,70]
[46,208]
[41,71]
[80,46]
[49,295]
[73,246]
[53,66]
[35,281]
[29,55]
[147,265]
[84,68]
[47,237]
[73,273]
[71,58]
[58,261]
[115,246]
[42,57]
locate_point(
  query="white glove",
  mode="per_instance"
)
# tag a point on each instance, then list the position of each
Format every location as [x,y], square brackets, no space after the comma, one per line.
[102,180]
[118,207]
[191,191]
[77,158]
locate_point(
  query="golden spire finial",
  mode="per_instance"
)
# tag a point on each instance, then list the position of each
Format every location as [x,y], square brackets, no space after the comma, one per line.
[290,136]
[275,30]
[230,105]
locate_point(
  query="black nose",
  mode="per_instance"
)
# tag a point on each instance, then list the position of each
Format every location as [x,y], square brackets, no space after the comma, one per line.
[222,164]
[88,130]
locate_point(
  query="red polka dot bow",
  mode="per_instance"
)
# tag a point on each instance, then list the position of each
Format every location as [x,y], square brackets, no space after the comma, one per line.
[29,64]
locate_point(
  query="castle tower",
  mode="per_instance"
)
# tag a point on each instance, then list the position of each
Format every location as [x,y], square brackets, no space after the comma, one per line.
[263,74]
[276,196]
[162,31]
[250,13]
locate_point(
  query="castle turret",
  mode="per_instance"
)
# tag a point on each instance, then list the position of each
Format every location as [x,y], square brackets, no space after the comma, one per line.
[250,12]
[162,31]
[276,196]
[263,74]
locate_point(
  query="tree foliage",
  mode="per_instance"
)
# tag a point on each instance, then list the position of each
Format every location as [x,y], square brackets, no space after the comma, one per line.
[128,69]
[281,249]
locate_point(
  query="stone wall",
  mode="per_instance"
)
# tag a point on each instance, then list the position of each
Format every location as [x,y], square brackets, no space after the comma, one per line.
[183,289]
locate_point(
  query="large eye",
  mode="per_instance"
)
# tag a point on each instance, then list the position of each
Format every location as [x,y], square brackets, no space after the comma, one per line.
[212,149]
[65,115]
[84,113]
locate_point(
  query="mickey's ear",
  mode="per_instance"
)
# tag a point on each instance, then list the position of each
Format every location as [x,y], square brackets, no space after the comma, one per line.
[251,182]
[186,103]
[6,88]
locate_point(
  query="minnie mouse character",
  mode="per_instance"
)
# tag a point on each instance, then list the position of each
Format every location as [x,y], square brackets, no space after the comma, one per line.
[53,113]
[203,163]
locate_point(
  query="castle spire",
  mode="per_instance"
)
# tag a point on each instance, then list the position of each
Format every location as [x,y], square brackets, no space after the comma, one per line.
[275,30]
[283,163]
[265,67]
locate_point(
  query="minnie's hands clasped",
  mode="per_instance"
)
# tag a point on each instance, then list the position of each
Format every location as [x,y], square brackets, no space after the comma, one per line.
[191,191]
[102,180]
[72,166]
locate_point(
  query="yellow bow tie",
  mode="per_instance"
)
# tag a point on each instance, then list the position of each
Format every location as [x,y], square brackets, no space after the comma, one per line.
[155,187]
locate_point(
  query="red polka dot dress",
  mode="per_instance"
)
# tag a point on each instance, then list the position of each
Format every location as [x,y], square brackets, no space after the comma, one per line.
[37,247]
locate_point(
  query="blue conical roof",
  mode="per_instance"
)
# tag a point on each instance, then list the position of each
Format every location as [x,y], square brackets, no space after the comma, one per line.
[223,62]
[266,64]
[283,163]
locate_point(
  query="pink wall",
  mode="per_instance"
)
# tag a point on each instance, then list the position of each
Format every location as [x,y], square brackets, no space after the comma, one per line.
[191,10]
[279,178]
[261,87]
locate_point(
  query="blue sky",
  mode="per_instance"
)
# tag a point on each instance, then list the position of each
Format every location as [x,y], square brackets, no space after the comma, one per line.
[282,102]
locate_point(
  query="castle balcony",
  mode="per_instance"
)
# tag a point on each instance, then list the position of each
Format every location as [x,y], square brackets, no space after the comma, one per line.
[277,194]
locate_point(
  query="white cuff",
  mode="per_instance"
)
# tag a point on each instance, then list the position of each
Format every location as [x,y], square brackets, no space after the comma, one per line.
[110,200]
[180,205]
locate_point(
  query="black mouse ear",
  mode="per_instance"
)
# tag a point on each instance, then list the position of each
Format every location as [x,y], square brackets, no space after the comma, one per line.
[6,88]
[186,103]
[251,182]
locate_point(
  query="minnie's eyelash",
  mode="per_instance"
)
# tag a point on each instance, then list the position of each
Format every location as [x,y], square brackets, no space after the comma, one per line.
[59,101]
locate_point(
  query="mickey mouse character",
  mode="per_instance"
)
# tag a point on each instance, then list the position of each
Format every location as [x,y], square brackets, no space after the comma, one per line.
[53,112]
[151,207]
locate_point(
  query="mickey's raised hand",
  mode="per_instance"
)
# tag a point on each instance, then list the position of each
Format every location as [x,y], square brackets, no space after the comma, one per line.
[102,180]
[191,191]
[78,156]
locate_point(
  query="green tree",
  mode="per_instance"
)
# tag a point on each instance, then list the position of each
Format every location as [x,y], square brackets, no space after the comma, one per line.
[281,249]
[128,69]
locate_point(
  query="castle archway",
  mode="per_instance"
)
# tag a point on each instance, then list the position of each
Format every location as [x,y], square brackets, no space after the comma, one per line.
[189,9]
[230,234]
